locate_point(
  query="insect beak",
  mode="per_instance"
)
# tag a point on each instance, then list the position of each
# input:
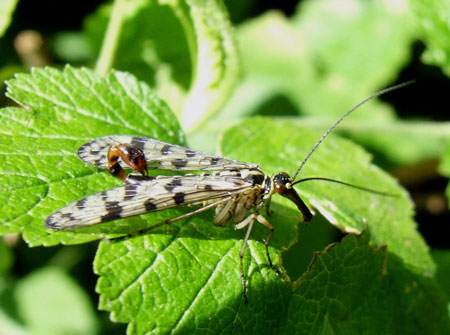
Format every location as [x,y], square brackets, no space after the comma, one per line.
[284,186]
[292,195]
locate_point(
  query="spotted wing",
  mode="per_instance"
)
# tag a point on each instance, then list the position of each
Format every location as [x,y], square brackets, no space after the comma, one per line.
[134,198]
[159,155]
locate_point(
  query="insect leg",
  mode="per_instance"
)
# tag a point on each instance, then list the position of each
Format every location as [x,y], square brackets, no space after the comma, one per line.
[172,220]
[261,219]
[250,220]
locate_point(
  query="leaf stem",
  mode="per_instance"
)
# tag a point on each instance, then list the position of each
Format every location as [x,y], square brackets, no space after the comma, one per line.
[111,39]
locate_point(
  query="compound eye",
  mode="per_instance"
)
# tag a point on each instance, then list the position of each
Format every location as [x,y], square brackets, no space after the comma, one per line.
[279,188]
[282,183]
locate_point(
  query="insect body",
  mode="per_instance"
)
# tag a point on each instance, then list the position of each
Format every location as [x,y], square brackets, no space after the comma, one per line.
[237,190]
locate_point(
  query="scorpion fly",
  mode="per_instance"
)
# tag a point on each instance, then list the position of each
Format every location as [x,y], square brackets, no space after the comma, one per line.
[237,190]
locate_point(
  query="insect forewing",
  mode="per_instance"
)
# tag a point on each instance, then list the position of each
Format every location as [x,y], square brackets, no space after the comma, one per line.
[159,155]
[134,198]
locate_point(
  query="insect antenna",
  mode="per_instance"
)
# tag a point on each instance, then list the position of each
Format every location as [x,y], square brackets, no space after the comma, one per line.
[377,94]
[346,184]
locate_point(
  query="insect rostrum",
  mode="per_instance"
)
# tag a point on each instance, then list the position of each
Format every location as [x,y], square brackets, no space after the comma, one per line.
[237,190]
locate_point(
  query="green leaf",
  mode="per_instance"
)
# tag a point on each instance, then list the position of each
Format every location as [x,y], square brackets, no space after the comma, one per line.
[351,286]
[190,279]
[6,10]
[432,17]
[40,171]
[50,302]
[185,49]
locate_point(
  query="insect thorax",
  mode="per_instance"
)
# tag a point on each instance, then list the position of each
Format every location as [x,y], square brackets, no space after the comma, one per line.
[253,197]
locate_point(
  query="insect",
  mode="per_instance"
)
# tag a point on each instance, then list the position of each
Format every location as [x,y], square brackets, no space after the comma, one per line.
[237,190]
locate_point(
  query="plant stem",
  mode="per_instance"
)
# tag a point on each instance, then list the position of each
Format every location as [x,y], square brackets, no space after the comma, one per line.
[111,40]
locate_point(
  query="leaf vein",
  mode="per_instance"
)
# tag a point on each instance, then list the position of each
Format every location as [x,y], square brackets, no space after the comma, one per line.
[199,293]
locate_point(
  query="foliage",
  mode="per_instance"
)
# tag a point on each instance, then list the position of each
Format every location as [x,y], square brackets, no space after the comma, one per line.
[165,66]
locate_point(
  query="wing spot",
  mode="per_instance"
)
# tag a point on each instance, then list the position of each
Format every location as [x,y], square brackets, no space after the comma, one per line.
[114,211]
[179,163]
[98,162]
[137,142]
[165,150]
[190,153]
[130,191]
[175,182]
[149,205]
[81,202]
[214,160]
[179,198]
[66,216]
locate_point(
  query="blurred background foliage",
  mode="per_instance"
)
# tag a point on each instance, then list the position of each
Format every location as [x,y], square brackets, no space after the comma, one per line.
[292,59]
